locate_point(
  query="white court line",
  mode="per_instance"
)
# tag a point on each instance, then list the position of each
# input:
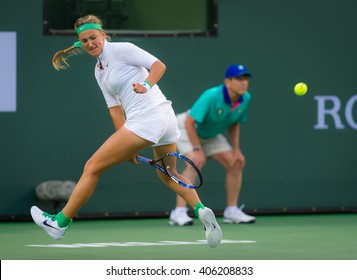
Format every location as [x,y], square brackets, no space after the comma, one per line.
[135,244]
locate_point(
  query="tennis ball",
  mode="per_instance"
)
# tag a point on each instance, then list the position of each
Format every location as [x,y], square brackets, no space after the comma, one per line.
[300,89]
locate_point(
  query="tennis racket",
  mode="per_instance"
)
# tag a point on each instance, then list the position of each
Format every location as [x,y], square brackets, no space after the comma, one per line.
[177,167]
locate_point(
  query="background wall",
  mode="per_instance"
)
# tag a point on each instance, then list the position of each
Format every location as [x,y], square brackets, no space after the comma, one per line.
[61,117]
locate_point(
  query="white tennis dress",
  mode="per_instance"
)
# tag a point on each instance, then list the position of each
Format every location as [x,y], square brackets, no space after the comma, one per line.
[149,115]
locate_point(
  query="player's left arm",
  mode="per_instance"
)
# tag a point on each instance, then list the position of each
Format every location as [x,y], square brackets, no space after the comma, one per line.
[157,70]
[234,136]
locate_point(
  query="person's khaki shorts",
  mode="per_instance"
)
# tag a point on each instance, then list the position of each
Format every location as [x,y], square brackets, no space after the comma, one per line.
[209,146]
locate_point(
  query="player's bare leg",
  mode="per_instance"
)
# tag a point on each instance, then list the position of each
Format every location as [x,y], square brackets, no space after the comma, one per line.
[212,230]
[179,216]
[188,195]
[121,146]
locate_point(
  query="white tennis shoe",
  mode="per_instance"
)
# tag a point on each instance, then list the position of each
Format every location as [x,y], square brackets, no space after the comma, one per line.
[48,223]
[179,217]
[237,216]
[212,229]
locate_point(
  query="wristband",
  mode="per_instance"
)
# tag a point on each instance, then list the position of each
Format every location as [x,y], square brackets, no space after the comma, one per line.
[196,148]
[146,82]
[147,85]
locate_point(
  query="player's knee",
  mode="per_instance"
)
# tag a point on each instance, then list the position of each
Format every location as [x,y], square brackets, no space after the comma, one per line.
[92,168]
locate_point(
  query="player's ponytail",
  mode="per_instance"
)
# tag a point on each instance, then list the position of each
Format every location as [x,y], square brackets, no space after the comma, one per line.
[59,60]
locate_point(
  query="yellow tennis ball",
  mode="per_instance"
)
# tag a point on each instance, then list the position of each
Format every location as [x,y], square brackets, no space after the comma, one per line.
[300,89]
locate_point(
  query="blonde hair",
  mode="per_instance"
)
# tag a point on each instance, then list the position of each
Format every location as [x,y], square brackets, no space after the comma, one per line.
[59,60]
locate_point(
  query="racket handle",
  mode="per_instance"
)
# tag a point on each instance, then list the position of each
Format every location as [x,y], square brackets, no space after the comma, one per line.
[143,159]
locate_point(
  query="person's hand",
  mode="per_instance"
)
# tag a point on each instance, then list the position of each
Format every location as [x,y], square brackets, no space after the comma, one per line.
[198,158]
[134,160]
[140,88]
[238,159]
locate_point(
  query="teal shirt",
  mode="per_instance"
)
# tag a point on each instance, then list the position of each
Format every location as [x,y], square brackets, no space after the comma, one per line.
[214,114]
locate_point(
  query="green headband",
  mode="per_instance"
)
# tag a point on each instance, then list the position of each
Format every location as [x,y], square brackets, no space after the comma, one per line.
[84,27]
[87,26]
[78,44]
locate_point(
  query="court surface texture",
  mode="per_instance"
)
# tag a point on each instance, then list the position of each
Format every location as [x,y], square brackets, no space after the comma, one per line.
[279,237]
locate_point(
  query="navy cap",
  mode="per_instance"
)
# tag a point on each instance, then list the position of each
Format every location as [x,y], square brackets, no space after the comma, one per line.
[236,70]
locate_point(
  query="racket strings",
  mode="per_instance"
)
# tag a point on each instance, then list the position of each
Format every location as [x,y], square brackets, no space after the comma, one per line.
[181,169]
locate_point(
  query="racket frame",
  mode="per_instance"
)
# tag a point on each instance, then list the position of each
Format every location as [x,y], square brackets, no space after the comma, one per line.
[163,169]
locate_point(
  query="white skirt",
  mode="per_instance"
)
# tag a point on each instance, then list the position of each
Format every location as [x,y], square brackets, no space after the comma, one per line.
[158,126]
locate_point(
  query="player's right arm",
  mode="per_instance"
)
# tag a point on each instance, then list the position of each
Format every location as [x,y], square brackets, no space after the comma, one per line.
[117,115]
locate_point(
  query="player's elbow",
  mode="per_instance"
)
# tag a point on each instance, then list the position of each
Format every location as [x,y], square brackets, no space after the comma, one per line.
[163,67]
[160,66]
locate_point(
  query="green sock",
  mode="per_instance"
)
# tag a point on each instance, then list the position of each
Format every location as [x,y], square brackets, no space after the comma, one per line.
[62,220]
[198,205]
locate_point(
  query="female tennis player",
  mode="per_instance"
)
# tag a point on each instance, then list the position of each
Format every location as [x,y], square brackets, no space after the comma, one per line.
[149,120]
